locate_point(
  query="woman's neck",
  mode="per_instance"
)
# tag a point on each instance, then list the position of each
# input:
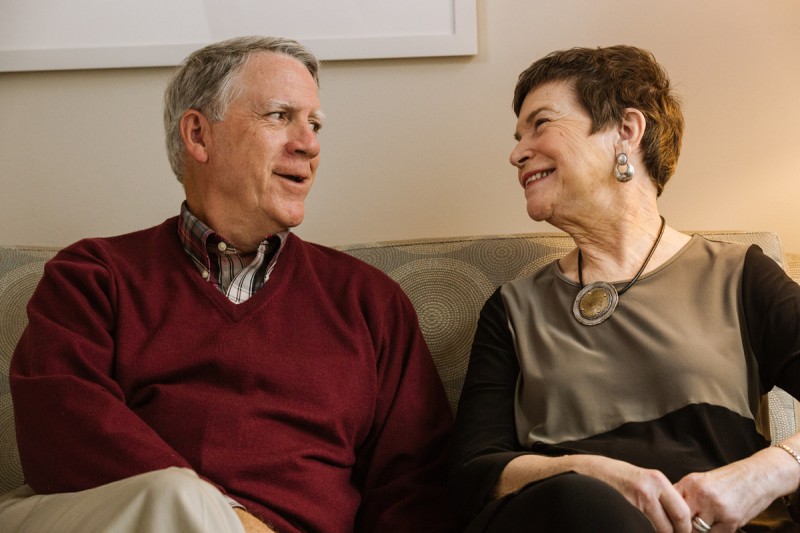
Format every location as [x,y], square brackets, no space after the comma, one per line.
[614,248]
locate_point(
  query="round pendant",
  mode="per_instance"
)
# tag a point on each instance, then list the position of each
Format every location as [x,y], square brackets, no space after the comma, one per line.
[595,303]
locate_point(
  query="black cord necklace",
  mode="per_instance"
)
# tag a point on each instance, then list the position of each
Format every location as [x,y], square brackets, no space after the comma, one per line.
[595,302]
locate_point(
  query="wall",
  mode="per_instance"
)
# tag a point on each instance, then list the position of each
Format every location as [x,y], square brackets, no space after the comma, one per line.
[419,147]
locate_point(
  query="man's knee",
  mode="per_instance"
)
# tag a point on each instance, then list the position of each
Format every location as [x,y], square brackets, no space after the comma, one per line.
[166,482]
[175,488]
[180,497]
[173,499]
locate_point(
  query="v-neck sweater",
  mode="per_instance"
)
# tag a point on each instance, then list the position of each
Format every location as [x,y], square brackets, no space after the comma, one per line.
[315,403]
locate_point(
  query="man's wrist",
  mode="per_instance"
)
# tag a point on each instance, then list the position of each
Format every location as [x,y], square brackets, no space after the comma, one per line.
[233,503]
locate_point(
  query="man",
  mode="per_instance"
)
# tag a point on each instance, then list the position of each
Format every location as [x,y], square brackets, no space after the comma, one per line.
[215,372]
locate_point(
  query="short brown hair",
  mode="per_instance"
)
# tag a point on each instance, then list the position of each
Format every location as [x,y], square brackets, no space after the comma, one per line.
[608,80]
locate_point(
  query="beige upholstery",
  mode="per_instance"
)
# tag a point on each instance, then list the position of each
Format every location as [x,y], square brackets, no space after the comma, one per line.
[448,281]
[791,263]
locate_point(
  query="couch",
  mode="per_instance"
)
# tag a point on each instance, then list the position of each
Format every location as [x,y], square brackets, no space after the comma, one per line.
[447,280]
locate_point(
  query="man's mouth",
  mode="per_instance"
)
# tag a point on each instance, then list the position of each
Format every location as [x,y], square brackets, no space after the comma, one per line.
[537,176]
[296,179]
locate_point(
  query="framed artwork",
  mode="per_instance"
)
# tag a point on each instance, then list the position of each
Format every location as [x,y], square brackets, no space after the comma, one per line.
[87,34]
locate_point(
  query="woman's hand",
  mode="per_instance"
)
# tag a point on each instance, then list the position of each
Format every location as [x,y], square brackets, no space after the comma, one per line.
[728,497]
[648,490]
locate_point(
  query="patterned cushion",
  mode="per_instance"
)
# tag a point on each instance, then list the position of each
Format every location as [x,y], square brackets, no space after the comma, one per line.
[448,281]
[20,271]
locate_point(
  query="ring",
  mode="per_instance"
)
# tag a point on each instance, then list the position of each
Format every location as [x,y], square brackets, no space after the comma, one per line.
[700,524]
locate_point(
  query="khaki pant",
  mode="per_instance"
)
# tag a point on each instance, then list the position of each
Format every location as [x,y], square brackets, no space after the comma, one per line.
[170,500]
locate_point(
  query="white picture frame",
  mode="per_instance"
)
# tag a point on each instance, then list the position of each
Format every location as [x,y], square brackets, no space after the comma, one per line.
[91,34]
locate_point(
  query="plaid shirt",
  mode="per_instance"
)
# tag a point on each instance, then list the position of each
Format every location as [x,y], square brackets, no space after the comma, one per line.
[229,271]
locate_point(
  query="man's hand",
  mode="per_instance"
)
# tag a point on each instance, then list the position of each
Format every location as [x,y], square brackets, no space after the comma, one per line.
[251,523]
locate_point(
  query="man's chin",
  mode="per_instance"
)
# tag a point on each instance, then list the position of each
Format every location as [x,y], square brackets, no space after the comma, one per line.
[292,221]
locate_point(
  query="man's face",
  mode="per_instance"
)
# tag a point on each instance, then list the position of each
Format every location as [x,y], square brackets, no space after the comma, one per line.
[263,156]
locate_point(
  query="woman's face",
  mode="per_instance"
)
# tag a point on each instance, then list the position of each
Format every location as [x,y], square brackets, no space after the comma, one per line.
[564,170]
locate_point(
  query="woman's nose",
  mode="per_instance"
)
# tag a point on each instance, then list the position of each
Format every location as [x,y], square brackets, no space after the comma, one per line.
[519,155]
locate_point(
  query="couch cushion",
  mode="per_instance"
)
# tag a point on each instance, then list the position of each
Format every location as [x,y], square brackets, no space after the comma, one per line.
[20,271]
[447,280]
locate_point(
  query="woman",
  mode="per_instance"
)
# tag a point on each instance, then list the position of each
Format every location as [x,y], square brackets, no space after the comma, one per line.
[617,388]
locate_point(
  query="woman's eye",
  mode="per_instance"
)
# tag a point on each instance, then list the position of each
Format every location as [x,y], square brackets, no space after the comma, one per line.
[539,122]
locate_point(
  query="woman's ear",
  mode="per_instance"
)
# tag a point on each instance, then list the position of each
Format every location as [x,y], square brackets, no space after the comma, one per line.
[196,134]
[631,129]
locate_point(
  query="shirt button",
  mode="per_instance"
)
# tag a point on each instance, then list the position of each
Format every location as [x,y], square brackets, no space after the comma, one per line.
[204,274]
[222,246]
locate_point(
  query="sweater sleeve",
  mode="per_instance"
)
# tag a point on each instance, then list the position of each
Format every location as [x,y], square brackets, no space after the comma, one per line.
[401,467]
[485,438]
[771,302]
[74,429]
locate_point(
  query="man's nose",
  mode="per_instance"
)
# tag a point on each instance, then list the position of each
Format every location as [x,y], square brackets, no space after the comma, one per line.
[304,141]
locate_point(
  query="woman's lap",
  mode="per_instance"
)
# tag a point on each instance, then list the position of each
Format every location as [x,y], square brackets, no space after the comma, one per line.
[566,502]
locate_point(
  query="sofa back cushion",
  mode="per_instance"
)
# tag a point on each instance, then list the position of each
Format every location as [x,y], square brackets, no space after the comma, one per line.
[447,280]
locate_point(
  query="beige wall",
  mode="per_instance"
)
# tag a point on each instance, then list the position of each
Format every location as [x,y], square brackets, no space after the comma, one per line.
[418,147]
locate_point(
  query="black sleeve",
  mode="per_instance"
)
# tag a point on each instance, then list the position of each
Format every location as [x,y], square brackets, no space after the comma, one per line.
[485,437]
[771,301]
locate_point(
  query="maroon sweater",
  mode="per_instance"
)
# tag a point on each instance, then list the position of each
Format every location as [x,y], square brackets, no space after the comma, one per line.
[315,403]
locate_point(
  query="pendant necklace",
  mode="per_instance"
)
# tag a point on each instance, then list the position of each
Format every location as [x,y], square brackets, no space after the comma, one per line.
[595,302]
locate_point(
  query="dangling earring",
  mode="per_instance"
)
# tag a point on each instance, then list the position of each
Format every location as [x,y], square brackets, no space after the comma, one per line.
[627,174]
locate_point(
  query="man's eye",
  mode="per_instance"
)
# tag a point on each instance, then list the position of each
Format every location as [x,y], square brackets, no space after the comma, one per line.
[316,126]
[276,114]
[539,122]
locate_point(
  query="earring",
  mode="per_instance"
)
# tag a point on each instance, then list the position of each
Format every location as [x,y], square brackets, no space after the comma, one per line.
[627,174]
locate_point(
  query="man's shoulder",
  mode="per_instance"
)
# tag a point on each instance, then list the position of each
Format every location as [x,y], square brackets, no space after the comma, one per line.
[340,264]
[133,244]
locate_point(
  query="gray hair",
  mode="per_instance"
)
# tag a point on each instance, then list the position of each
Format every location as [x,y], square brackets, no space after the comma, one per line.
[206,81]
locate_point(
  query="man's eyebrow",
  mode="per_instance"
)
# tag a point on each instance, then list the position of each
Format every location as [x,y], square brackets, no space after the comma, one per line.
[318,115]
[284,105]
[529,118]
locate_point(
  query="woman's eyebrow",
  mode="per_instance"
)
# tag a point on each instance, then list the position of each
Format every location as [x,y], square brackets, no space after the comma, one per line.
[529,120]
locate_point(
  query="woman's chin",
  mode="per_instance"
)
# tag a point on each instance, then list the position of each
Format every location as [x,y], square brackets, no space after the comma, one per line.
[538,214]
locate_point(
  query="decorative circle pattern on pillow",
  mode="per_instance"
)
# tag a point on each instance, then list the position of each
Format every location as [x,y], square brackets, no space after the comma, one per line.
[12,257]
[437,248]
[501,259]
[780,402]
[448,281]
[16,288]
[536,264]
[505,258]
[448,295]
[383,257]
[19,274]
[11,475]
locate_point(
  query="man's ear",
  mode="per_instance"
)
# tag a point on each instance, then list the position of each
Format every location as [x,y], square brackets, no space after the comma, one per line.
[631,129]
[195,131]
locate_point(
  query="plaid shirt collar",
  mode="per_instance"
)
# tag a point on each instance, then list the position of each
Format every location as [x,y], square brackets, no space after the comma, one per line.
[220,263]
